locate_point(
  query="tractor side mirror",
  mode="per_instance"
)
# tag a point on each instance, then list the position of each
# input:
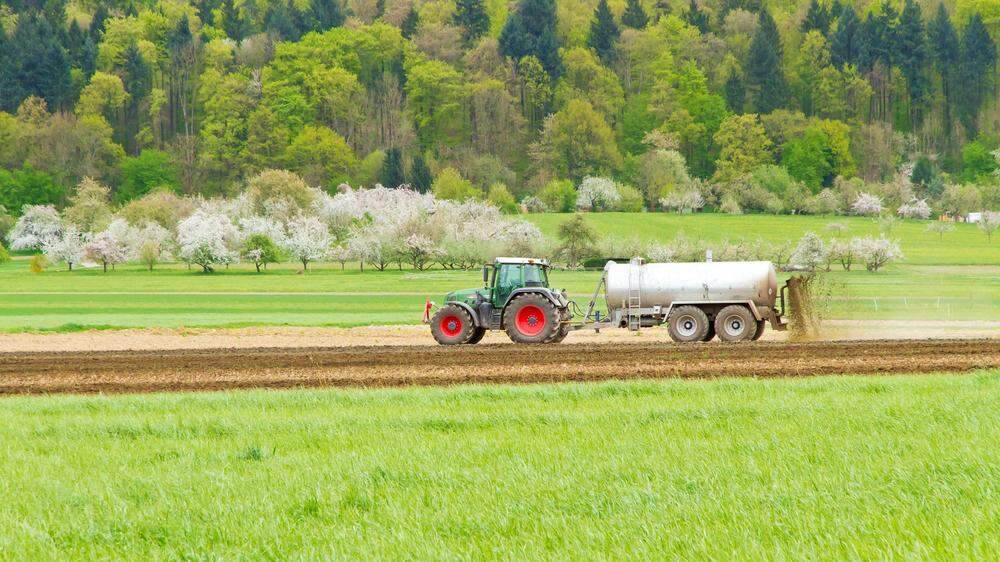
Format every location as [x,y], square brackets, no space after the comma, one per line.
[486,275]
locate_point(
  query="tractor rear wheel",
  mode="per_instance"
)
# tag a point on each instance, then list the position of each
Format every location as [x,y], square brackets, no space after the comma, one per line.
[452,325]
[735,323]
[687,324]
[477,336]
[531,318]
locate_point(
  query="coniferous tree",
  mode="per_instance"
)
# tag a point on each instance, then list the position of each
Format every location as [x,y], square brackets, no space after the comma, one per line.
[735,92]
[137,79]
[634,16]
[471,17]
[944,50]
[279,21]
[531,30]
[867,44]
[39,63]
[843,47]
[603,32]
[392,169]
[976,66]
[817,17]
[765,79]
[696,17]
[325,14]
[96,28]
[234,23]
[11,92]
[410,23]
[420,174]
[911,54]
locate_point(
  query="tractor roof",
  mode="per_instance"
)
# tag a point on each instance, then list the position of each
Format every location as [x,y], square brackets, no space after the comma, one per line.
[523,261]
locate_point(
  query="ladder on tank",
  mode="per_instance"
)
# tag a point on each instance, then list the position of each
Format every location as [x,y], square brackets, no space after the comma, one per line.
[634,304]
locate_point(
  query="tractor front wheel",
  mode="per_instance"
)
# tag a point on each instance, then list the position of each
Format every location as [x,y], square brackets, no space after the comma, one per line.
[452,325]
[531,318]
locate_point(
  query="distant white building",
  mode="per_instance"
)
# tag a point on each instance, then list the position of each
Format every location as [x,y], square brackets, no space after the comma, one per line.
[974,217]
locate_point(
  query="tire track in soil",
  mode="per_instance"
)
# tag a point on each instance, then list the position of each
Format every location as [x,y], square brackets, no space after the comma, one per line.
[387,366]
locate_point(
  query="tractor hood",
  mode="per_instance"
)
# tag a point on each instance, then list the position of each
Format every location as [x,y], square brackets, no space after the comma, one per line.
[468,296]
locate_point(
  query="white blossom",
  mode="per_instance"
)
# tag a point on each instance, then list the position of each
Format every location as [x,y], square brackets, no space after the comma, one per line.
[683,201]
[597,194]
[867,204]
[69,247]
[109,246]
[915,209]
[308,240]
[876,252]
[207,238]
[37,226]
[809,253]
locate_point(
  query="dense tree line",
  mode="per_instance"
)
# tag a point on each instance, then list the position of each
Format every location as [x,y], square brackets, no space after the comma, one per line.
[738,104]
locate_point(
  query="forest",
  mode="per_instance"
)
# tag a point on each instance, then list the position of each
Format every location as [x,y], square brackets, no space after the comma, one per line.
[779,106]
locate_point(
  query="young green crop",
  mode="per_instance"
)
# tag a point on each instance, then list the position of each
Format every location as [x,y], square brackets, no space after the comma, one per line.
[824,468]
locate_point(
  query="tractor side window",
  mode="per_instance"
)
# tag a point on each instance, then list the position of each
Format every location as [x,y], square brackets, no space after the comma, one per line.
[534,276]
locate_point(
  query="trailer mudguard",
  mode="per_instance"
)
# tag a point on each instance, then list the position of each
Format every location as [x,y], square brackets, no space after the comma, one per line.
[750,305]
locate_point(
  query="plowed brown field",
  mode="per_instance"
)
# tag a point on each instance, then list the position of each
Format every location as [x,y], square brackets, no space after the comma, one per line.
[215,369]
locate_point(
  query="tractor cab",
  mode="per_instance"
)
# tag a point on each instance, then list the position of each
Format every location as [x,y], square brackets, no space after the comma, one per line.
[515,297]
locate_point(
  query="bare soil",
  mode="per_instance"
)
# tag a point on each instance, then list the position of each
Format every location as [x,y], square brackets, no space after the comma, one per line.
[401,365]
[286,336]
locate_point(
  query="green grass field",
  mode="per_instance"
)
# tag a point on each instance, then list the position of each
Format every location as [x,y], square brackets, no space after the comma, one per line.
[956,277]
[833,468]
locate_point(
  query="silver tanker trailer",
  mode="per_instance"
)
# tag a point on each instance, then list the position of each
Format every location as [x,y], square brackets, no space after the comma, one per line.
[697,301]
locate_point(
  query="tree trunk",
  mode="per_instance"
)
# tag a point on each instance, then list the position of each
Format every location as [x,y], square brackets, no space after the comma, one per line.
[105,266]
[257,265]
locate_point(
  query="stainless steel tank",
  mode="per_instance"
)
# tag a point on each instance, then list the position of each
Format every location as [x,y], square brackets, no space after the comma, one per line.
[660,284]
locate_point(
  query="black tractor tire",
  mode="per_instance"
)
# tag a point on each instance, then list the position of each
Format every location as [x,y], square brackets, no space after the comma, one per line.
[531,318]
[477,336]
[735,323]
[563,330]
[760,330]
[687,324]
[452,325]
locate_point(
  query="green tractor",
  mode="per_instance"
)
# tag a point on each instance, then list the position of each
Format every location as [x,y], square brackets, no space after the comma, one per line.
[515,297]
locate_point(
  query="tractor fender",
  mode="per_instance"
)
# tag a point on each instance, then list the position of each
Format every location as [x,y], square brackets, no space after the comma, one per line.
[554,299]
[472,312]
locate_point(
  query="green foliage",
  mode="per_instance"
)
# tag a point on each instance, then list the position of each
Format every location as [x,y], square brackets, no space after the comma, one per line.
[4,254]
[559,196]
[260,250]
[765,77]
[28,186]
[420,175]
[531,31]
[576,142]
[151,169]
[923,172]
[501,197]
[449,184]
[977,161]
[320,156]
[470,15]
[38,263]
[634,15]
[631,200]
[743,146]
[808,157]
[392,174]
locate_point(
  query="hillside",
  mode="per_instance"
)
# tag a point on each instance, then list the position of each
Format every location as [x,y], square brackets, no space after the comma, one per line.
[736,104]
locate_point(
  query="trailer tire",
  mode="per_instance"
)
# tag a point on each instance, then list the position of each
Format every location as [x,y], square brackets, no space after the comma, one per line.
[710,335]
[687,324]
[452,325]
[531,318]
[477,336]
[735,323]
[760,330]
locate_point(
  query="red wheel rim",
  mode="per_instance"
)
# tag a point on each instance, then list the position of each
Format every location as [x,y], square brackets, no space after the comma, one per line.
[530,320]
[451,325]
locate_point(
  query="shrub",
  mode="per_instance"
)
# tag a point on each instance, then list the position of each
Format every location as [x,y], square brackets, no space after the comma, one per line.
[989,224]
[867,204]
[4,254]
[533,204]
[629,199]
[597,194]
[823,203]
[730,205]
[915,209]
[150,170]
[559,196]
[501,197]
[38,263]
[683,202]
[450,185]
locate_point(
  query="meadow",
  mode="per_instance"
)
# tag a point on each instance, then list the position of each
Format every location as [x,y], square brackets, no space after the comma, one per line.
[951,277]
[814,468]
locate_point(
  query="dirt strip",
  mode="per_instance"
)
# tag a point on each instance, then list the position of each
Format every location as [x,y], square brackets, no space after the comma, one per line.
[382,366]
